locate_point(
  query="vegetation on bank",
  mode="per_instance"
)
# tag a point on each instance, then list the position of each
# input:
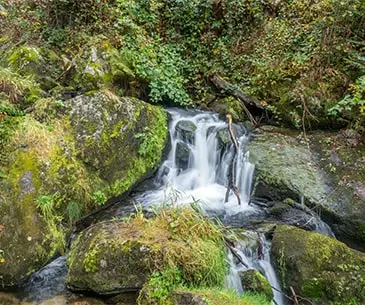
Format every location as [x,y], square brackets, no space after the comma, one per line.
[303,59]
[178,250]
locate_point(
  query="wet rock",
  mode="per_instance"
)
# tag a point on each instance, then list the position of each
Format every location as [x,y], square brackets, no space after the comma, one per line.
[285,213]
[287,167]
[182,155]
[224,137]
[186,130]
[99,148]
[253,281]
[319,267]
[82,300]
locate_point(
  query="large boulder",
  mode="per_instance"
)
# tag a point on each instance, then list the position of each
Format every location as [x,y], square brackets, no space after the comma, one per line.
[121,256]
[288,167]
[108,259]
[87,150]
[319,267]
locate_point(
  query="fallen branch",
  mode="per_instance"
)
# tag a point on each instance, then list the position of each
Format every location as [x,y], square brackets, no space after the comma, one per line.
[232,168]
[260,248]
[247,101]
[295,299]
[234,252]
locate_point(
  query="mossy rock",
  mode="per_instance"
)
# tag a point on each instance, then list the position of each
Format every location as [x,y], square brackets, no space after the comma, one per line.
[108,259]
[229,105]
[224,137]
[287,167]
[254,281]
[120,256]
[319,267]
[90,149]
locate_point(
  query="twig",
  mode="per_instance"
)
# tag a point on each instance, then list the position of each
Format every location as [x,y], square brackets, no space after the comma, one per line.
[260,252]
[295,299]
[234,252]
[232,181]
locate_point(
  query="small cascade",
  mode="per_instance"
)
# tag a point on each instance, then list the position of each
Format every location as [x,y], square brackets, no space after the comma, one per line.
[48,282]
[250,256]
[198,164]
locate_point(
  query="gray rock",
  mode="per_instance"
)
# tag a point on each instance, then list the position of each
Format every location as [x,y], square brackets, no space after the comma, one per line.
[186,130]
[182,155]
[286,167]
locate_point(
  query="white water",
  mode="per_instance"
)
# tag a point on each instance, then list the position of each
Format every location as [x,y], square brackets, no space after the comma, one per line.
[205,178]
[204,181]
[251,258]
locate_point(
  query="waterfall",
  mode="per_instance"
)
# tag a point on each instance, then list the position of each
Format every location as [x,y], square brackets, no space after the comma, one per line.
[196,170]
[250,257]
[198,163]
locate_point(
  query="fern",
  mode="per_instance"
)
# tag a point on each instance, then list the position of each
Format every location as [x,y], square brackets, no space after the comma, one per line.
[16,86]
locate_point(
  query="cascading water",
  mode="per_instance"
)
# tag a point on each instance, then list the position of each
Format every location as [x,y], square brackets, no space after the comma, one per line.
[251,258]
[196,170]
[199,140]
[198,164]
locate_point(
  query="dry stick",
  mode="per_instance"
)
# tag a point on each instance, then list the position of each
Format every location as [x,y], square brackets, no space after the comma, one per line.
[243,98]
[295,299]
[232,181]
[234,252]
[260,252]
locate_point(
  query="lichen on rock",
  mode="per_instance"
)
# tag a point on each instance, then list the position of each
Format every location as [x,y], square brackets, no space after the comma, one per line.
[319,267]
[80,155]
[287,167]
[127,255]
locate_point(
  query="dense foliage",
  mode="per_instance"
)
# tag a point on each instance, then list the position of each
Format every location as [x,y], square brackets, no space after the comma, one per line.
[303,58]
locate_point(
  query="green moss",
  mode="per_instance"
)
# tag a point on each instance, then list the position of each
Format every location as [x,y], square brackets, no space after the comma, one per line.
[131,250]
[253,281]
[319,267]
[152,142]
[91,260]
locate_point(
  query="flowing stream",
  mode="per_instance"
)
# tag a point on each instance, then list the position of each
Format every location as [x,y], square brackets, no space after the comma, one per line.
[196,170]
[197,166]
